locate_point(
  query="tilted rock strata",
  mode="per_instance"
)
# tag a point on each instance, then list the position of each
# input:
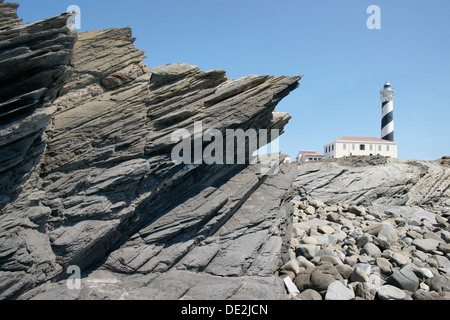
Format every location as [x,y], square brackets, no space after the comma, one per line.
[8,15]
[108,196]
[33,64]
[225,242]
[33,61]
[368,181]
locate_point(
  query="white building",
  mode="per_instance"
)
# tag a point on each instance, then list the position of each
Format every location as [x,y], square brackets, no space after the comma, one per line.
[360,146]
[304,156]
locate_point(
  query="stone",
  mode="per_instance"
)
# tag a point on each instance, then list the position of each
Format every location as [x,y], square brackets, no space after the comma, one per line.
[307,225]
[303,262]
[365,290]
[323,276]
[333,216]
[365,267]
[373,229]
[444,247]
[424,295]
[389,292]
[317,204]
[432,235]
[326,230]
[297,232]
[397,258]
[310,294]
[351,260]
[440,283]
[407,240]
[371,250]
[359,211]
[414,234]
[306,250]
[317,278]
[445,236]
[337,291]
[358,275]
[292,266]
[384,265]
[388,233]
[344,270]
[331,259]
[404,279]
[381,243]
[426,245]
[326,251]
[309,240]
[420,255]
[294,243]
[310,210]
[363,240]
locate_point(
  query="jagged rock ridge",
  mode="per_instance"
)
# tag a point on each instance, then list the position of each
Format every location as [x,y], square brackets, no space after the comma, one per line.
[105,194]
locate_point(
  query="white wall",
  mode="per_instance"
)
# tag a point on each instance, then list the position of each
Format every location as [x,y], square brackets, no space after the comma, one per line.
[342,149]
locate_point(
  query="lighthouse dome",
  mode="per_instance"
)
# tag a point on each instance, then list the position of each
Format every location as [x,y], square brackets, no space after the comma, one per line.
[387,84]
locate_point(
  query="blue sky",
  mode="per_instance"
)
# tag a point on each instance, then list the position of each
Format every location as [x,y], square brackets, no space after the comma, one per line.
[344,64]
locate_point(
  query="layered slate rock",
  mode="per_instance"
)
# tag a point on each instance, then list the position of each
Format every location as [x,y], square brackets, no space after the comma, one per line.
[375,181]
[8,15]
[33,64]
[108,197]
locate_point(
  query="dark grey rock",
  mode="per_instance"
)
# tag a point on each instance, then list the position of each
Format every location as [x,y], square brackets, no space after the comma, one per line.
[86,141]
[308,251]
[405,279]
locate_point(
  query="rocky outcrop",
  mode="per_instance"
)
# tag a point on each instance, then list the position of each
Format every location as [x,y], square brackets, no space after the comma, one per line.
[375,180]
[8,15]
[33,64]
[101,191]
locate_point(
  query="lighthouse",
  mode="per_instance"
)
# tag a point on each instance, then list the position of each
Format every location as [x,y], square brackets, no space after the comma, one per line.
[387,112]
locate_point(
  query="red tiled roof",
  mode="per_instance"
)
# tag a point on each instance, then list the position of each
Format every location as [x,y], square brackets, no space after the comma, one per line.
[312,153]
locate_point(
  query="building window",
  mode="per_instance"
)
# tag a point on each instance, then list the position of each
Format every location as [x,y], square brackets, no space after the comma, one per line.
[332,147]
[371,147]
[379,147]
[362,147]
[345,146]
[353,147]
[387,147]
[310,159]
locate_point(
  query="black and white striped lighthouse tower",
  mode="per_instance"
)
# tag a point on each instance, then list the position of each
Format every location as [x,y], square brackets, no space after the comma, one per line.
[387,113]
